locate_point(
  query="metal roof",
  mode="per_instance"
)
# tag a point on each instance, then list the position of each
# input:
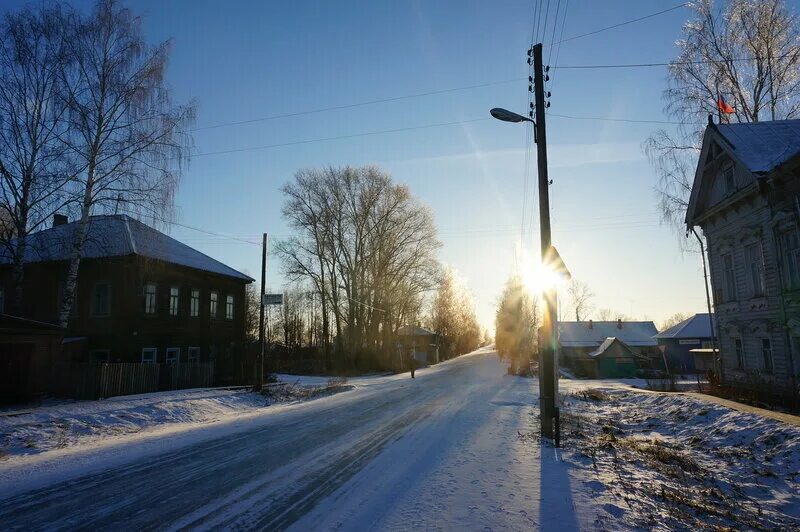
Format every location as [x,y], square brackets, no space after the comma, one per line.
[762,146]
[698,326]
[594,333]
[117,236]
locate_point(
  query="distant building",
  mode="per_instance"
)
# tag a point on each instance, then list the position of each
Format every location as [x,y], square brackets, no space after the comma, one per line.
[746,199]
[419,342]
[682,343]
[580,339]
[613,359]
[142,296]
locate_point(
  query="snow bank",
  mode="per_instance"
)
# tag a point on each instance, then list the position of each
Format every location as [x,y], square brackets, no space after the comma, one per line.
[71,423]
[670,461]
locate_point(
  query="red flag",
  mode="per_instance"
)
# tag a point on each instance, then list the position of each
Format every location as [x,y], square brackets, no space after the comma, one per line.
[723,106]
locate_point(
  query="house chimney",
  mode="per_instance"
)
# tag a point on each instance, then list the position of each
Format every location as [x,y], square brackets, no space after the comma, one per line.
[591,324]
[619,323]
[60,219]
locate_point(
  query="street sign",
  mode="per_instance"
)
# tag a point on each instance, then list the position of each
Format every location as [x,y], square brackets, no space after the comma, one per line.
[272,299]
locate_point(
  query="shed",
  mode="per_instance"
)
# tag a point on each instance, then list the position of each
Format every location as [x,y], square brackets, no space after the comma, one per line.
[613,359]
[420,343]
[680,343]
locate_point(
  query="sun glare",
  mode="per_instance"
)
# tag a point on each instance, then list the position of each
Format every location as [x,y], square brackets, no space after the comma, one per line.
[537,277]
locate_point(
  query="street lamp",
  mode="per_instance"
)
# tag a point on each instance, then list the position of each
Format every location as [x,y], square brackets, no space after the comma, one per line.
[548,349]
[508,116]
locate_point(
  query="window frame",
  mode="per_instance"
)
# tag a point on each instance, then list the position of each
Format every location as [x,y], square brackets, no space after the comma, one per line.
[738,349]
[174,300]
[755,268]
[194,303]
[767,354]
[147,308]
[193,354]
[230,306]
[729,277]
[213,303]
[93,312]
[792,267]
[94,352]
[149,351]
[730,184]
[173,360]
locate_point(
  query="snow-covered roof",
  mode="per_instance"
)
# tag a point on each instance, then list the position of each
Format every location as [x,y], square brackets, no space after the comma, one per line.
[407,330]
[762,146]
[698,326]
[594,333]
[608,342]
[117,236]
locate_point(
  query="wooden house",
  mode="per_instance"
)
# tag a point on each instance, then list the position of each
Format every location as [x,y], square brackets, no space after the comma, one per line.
[687,345]
[142,296]
[746,200]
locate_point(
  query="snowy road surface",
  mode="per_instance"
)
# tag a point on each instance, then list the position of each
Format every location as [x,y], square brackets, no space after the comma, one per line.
[440,451]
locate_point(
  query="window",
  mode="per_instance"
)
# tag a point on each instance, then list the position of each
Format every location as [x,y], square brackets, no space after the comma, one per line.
[212,353]
[730,277]
[100,356]
[194,354]
[150,298]
[194,303]
[149,355]
[730,183]
[739,347]
[173,355]
[766,354]
[229,307]
[755,266]
[791,252]
[101,299]
[212,306]
[174,300]
[2,300]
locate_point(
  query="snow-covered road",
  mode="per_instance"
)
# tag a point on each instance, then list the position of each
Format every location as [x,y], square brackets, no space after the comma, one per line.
[450,449]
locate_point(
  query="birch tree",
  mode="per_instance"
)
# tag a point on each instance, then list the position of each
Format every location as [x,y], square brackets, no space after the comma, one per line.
[748,53]
[34,169]
[124,128]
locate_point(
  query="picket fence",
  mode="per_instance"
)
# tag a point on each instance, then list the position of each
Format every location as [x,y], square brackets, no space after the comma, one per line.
[98,381]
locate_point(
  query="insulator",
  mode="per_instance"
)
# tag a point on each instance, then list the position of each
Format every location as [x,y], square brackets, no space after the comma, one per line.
[530,51]
[530,79]
[547,68]
[548,94]
[530,88]
[529,60]
[531,104]
[548,104]
[546,78]
[530,114]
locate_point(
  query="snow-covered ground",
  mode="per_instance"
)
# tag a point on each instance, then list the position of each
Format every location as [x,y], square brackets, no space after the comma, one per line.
[672,461]
[454,449]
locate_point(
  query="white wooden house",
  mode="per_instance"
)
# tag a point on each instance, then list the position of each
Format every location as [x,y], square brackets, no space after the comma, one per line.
[745,199]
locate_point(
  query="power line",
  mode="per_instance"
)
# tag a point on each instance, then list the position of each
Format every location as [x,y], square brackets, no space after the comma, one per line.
[673,63]
[360,104]
[339,137]
[594,32]
[627,120]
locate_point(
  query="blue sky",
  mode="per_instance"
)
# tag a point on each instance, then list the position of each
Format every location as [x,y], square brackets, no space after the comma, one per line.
[243,60]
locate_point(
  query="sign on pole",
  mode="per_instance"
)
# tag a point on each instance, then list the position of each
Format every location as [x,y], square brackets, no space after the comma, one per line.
[272,299]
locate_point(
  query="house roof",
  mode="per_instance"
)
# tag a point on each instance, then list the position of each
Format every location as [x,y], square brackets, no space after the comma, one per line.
[118,236]
[580,334]
[607,343]
[762,146]
[408,330]
[698,326]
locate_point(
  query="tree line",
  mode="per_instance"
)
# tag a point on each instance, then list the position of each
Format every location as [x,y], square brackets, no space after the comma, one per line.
[363,263]
[87,126]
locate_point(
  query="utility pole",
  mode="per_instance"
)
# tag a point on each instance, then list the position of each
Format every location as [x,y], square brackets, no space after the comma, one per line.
[260,366]
[548,363]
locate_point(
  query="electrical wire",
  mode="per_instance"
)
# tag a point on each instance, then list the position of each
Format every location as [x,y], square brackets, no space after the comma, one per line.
[625,23]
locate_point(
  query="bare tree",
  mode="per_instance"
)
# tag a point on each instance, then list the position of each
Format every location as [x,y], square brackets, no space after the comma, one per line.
[124,128]
[747,53]
[580,298]
[367,248]
[673,320]
[453,316]
[517,325]
[33,166]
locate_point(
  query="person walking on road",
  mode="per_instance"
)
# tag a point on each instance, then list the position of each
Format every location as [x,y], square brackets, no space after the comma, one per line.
[412,362]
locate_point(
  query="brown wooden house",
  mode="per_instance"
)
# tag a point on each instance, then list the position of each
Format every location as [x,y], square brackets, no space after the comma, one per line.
[142,296]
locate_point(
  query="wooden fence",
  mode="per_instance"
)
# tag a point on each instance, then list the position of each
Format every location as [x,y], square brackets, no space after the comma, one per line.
[98,381]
